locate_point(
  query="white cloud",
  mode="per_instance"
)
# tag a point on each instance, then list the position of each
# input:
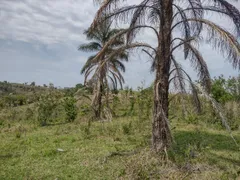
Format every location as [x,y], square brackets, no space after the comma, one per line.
[45,21]
[52,30]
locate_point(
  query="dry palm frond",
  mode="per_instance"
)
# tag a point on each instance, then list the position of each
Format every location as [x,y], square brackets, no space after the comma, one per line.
[220,39]
[106,7]
[178,78]
[137,19]
[195,10]
[219,111]
[200,66]
[186,29]
[231,11]
[181,77]
[196,13]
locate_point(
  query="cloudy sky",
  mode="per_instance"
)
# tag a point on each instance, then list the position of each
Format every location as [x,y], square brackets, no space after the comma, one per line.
[39,40]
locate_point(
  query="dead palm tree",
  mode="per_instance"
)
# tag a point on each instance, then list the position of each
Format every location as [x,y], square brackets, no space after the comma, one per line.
[176,24]
[104,69]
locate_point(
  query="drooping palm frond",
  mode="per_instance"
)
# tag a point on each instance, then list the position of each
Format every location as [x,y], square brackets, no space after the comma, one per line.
[231,11]
[105,8]
[196,13]
[186,29]
[137,19]
[178,76]
[89,63]
[183,76]
[220,39]
[200,66]
[223,41]
[217,107]
[119,65]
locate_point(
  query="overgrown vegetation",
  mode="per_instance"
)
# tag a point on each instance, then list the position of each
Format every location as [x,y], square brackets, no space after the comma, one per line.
[73,146]
[70,108]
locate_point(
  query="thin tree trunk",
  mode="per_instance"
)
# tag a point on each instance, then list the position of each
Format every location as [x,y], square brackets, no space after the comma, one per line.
[161,134]
[99,102]
[100,92]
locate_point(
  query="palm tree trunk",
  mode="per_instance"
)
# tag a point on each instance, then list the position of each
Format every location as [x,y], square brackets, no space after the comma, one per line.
[99,102]
[161,134]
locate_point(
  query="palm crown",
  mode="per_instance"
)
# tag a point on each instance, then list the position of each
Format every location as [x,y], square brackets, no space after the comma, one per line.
[106,68]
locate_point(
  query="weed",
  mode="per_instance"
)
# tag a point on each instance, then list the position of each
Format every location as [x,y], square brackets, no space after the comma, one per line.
[127,128]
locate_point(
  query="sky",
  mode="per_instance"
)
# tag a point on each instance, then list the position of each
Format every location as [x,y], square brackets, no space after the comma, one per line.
[39,42]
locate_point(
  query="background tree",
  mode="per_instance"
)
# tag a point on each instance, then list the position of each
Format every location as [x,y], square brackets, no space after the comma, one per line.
[224,90]
[105,68]
[33,83]
[166,19]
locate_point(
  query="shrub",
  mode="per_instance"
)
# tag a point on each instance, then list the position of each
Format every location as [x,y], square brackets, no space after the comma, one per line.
[85,110]
[46,106]
[70,108]
[29,114]
[232,114]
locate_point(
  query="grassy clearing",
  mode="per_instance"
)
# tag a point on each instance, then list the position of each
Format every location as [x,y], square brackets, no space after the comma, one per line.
[97,151]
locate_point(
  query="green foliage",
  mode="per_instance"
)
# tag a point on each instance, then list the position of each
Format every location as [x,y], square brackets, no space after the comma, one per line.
[79,86]
[224,90]
[29,114]
[13,100]
[70,108]
[199,152]
[127,128]
[86,130]
[85,110]
[13,114]
[144,102]
[192,118]
[132,104]
[115,104]
[46,107]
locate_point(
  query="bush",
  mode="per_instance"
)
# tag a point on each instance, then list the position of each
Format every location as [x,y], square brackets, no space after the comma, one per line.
[233,114]
[29,114]
[46,107]
[13,100]
[85,110]
[70,108]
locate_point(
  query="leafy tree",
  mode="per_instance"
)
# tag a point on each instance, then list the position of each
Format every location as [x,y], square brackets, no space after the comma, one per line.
[219,90]
[224,90]
[33,84]
[104,68]
[51,86]
[175,24]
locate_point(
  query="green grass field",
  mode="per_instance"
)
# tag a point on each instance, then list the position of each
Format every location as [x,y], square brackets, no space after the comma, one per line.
[115,150]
